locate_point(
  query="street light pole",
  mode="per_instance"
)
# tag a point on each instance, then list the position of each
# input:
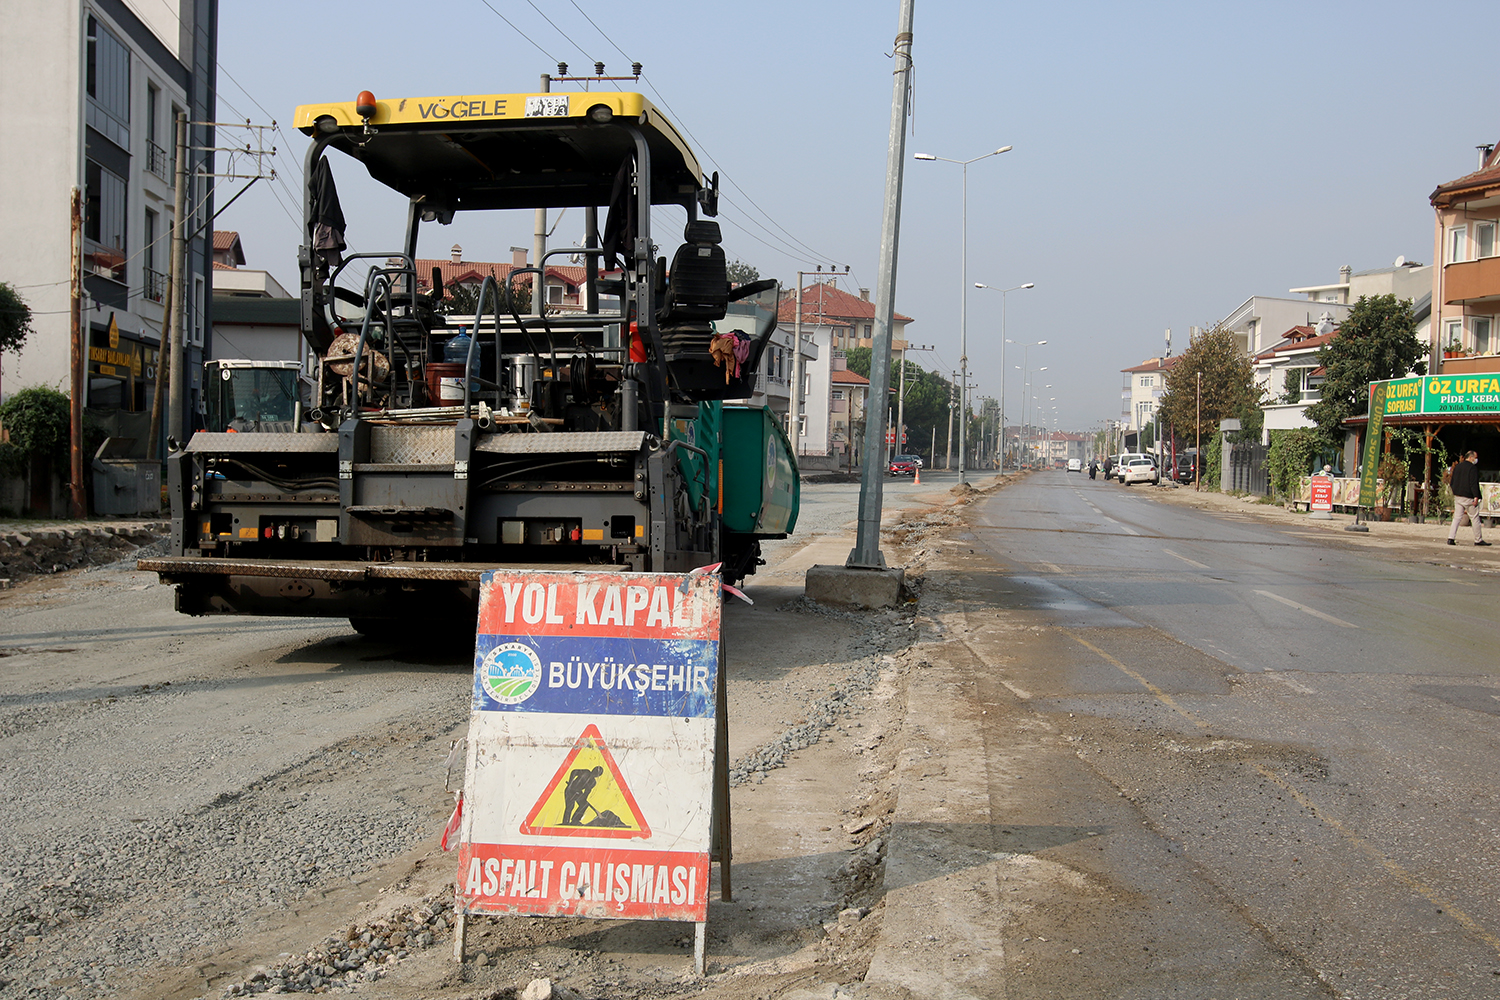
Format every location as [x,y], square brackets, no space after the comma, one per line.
[1003,342]
[963,305]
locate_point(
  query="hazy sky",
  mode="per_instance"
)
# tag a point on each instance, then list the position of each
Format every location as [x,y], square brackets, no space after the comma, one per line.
[1170,160]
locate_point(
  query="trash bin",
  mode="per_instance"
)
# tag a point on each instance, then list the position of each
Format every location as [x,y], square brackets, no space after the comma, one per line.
[124,484]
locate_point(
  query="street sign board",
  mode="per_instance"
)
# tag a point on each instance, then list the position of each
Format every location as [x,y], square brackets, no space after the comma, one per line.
[1369,467]
[1441,394]
[1322,494]
[591,746]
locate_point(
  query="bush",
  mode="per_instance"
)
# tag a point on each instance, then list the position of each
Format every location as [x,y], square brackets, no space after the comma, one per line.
[1289,458]
[37,419]
[1213,463]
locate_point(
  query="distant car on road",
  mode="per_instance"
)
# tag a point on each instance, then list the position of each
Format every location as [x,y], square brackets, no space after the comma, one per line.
[904,465]
[1075,465]
[1139,469]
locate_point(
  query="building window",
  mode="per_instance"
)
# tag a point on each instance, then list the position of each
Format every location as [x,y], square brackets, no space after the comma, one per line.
[838,394]
[1484,239]
[154,283]
[104,221]
[107,79]
[1458,244]
[867,329]
[1453,338]
[1147,381]
[1481,327]
[197,329]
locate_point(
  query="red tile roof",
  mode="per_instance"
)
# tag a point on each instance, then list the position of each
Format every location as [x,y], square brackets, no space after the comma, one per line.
[1154,365]
[1480,182]
[1298,338]
[846,377]
[827,303]
[225,238]
[477,270]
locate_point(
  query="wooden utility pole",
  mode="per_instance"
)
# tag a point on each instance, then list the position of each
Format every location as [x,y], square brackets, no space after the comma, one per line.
[1198,441]
[166,344]
[79,363]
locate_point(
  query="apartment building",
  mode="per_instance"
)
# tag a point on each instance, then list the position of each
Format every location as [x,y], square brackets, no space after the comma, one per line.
[92,91]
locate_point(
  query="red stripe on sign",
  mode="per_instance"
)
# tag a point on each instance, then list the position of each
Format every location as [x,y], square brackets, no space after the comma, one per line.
[583,882]
[606,605]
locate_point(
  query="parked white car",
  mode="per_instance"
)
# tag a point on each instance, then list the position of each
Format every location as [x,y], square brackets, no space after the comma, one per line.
[1075,465]
[1139,469]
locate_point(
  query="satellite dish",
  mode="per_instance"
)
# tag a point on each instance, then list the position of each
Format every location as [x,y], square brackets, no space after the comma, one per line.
[1401,261]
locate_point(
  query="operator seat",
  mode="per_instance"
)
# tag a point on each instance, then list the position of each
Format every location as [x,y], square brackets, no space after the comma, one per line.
[697,293]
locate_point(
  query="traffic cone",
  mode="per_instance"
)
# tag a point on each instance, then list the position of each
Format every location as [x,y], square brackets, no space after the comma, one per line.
[917,476]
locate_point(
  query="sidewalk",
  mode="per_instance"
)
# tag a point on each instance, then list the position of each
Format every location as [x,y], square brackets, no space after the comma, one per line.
[1418,542]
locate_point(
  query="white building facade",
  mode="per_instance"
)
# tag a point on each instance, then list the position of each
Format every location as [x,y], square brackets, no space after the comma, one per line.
[92,88]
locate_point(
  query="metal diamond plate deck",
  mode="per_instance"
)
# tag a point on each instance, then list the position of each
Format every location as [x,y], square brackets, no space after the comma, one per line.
[552,444]
[397,445]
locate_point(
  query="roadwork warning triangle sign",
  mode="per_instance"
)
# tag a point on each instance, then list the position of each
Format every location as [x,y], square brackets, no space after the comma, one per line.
[587,797]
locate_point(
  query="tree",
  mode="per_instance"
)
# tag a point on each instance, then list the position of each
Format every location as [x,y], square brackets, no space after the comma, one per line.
[463,298]
[15,319]
[1228,386]
[741,273]
[1377,341]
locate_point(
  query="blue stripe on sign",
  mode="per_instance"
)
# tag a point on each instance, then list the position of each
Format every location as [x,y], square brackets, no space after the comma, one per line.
[595,676]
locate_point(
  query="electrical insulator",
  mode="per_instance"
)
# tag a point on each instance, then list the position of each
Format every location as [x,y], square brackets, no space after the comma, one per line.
[598,69]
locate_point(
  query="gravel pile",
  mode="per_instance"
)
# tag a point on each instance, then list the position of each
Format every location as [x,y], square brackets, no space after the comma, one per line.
[155,890]
[888,632]
[364,953]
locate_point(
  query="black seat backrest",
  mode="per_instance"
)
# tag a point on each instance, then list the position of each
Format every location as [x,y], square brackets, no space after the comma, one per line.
[698,282]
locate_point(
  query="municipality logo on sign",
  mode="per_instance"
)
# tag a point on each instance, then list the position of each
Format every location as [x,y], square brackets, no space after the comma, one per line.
[511,673]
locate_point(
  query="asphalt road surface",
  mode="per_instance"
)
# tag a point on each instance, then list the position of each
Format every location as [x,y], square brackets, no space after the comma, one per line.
[1255,762]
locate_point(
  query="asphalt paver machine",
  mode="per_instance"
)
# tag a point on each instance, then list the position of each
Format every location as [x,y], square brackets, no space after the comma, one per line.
[437,445]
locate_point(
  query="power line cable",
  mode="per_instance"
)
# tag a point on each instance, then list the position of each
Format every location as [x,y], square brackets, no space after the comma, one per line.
[549,20]
[518,31]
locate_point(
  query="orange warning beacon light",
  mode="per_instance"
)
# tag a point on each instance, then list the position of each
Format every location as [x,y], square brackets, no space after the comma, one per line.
[364,105]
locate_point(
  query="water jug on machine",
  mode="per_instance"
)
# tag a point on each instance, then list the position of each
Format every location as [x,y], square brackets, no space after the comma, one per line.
[446,378]
[456,351]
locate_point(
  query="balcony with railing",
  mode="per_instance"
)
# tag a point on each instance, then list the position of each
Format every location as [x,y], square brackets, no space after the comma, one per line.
[158,162]
[153,285]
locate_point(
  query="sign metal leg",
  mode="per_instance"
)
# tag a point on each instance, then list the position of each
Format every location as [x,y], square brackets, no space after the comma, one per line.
[700,945]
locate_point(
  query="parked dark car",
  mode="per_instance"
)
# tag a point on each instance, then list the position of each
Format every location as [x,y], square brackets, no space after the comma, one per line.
[1187,467]
[903,465]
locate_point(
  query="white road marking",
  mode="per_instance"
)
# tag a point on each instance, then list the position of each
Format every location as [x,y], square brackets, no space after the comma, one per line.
[1019,692]
[1306,610]
[1284,679]
[1190,562]
[1128,529]
[1051,567]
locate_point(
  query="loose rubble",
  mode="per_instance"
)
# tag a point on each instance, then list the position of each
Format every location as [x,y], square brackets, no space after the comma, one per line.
[363,953]
[43,551]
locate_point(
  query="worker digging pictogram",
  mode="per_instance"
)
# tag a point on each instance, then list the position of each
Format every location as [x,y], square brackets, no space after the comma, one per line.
[587,797]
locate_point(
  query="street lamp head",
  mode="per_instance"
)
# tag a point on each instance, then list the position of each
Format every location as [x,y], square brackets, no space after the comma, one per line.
[1029,284]
[1039,343]
[925,156]
[1002,149]
[980,284]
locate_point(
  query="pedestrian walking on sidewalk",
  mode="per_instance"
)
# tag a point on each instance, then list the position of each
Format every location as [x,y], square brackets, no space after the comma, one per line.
[1465,486]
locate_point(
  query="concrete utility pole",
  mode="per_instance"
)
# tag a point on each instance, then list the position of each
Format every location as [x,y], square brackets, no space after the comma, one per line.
[866,552]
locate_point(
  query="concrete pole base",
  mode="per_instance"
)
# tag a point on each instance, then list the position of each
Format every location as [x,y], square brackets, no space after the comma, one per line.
[1357,527]
[855,588]
[1320,515]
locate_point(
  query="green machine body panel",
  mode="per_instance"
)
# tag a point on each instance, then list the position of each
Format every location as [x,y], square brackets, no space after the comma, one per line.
[762,487]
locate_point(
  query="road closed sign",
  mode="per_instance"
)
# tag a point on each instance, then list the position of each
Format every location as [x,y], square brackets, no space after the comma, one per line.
[591,746]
